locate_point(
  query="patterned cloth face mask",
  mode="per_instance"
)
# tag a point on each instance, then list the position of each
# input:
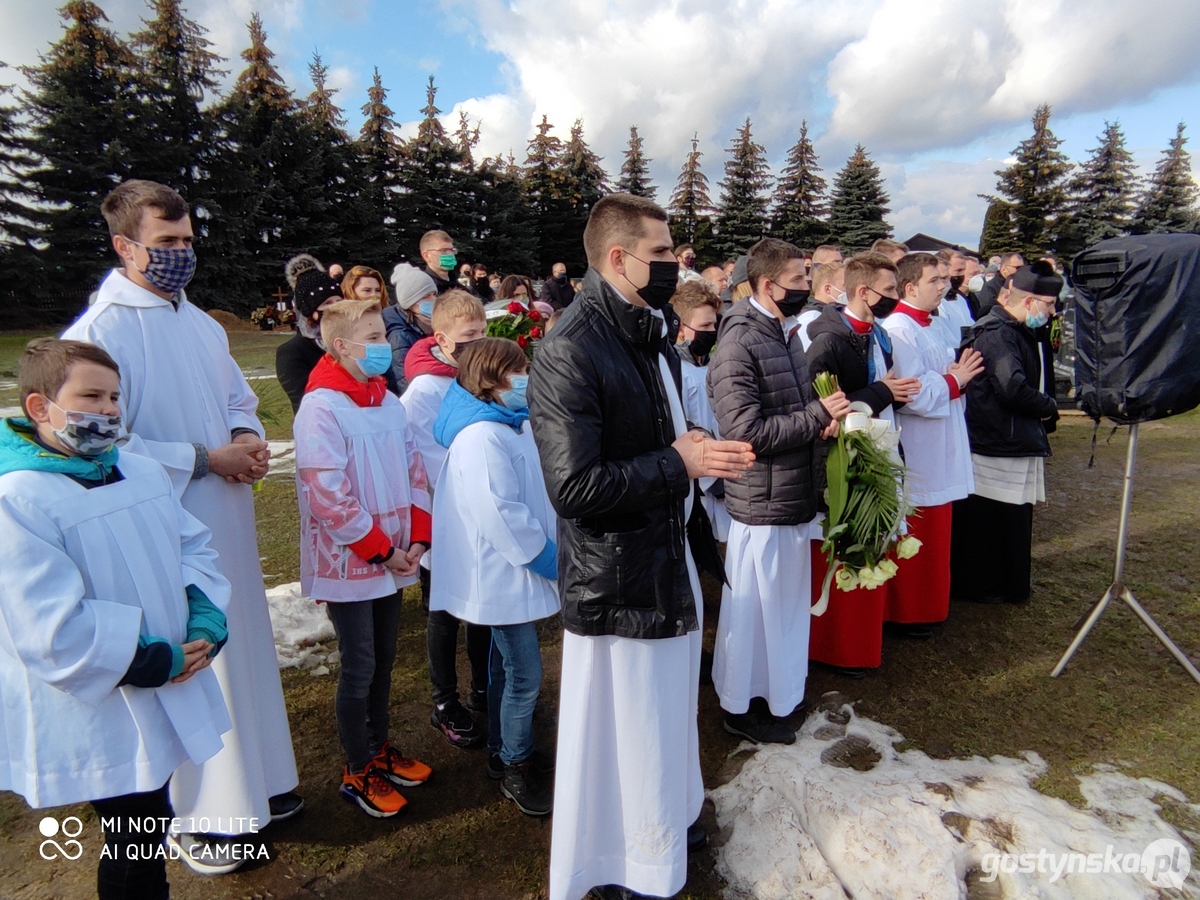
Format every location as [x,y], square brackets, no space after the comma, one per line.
[88,434]
[169,270]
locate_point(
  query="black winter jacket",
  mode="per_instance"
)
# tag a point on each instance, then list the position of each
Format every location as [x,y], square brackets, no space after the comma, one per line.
[1004,407]
[603,427]
[760,390]
[560,295]
[836,348]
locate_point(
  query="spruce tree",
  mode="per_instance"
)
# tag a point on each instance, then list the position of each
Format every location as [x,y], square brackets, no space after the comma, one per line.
[800,204]
[742,220]
[436,191]
[80,107]
[999,231]
[635,171]
[466,139]
[583,181]
[1100,195]
[1169,203]
[174,137]
[320,107]
[505,236]
[378,158]
[17,255]
[691,208]
[1035,185]
[550,212]
[858,204]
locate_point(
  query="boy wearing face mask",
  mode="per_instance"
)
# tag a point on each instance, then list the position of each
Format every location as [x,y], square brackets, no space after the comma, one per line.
[111,612]
[762,392]
[828,286]
[495,557]
[408,321]
[699,308]
[364,526]
[458,320]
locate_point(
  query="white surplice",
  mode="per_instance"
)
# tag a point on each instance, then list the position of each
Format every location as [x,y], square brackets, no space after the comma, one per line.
[179,387]
[627,781]
[86,573]
[933,426]
[953,316]
[422,401]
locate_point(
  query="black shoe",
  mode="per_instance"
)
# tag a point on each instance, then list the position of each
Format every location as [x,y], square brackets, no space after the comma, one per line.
[849,672]
[284,806]
[456,725]
[541,764]
[706,664]
[760,728]
[615,892]
[697,838]
[523,788]
[477,702]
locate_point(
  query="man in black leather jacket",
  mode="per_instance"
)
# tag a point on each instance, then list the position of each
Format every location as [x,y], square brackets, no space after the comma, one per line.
[1008,410]
[620,465]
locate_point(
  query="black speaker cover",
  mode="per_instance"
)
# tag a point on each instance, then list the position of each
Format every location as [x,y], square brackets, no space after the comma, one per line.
[1137,327]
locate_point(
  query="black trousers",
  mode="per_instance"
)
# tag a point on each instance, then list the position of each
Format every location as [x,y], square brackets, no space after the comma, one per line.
[132,866]
[441,640]
[990,549]
[366,632]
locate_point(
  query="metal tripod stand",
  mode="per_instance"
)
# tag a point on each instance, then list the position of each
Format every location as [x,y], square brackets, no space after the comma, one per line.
[1118,589]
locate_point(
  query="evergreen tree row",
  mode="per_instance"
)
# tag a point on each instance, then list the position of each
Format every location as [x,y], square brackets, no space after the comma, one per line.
[270,173]
[1049,205]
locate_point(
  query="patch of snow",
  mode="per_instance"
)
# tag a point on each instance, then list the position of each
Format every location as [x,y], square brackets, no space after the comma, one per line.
[842,813]
[304,636]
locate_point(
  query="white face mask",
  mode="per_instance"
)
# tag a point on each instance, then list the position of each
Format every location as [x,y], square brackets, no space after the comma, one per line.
[839,297]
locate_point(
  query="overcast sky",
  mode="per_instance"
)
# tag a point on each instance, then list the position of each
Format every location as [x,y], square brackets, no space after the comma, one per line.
[939,91]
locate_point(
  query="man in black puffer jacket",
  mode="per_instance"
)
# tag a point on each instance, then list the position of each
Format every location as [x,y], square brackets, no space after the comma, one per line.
[620,464]
[762,394]
[1008,409]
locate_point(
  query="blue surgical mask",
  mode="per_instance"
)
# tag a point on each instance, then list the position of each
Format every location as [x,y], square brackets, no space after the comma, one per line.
[514,397]
[378,359]
[425,308]
[1037,320]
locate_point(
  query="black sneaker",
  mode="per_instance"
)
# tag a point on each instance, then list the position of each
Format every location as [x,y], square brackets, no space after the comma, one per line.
[541,764]
[456,725]
[697,838]
[284,806]
[525,789]
[477,702]
[760,728]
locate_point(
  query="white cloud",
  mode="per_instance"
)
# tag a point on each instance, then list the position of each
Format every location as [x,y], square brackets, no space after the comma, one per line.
[940,198]
[949,70]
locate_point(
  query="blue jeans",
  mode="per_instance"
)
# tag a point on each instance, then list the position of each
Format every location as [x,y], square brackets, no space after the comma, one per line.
[513,687]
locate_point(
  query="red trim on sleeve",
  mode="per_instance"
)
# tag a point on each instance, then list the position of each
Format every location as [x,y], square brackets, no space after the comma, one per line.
[955,390]
[422,527]
[376,543]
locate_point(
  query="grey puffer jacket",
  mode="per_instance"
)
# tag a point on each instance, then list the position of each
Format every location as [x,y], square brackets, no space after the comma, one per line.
[761,393]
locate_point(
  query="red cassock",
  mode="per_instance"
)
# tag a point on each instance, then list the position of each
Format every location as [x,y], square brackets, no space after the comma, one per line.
[920,590]
[850,632]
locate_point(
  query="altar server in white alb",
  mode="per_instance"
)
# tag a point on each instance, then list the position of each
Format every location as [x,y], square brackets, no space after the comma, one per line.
[933,432]
[620,468]
[762,393]
[111,610]
[495,558]
[186,403]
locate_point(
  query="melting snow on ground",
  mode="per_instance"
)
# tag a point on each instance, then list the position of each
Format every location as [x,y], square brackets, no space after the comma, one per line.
[283,458]
[842,813]
[304,637]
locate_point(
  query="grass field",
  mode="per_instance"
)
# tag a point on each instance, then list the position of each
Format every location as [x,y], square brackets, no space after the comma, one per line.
[981,686]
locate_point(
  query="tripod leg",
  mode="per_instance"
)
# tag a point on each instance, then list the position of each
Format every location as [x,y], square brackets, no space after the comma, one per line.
[1159,633]
[1092,618]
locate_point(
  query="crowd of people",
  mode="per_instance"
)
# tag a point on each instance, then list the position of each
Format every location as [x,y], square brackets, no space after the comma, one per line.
[666,412]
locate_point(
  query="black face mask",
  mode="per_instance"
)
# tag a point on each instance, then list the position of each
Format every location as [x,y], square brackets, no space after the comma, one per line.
[793,301]
[956,281]
[561,278]
[884,307]
[701,345]
[664,278]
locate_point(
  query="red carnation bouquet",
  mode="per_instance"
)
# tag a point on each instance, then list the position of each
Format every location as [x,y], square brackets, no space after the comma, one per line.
[525,326]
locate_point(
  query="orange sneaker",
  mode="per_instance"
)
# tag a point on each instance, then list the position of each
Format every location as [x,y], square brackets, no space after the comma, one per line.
[372,790]
[399,769]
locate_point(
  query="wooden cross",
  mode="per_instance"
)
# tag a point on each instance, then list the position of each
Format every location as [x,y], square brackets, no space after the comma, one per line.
[280,294]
